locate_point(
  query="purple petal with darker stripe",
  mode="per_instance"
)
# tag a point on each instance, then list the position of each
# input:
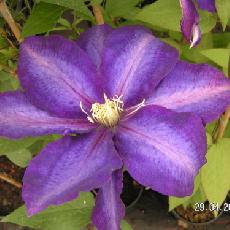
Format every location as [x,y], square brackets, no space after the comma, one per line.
[19,118]
[56,74]
[68,166]
[197,88]
[134,62]
[162,149]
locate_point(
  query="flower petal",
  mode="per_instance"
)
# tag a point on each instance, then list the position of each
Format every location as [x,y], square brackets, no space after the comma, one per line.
[109,209]
[197,88]
[207,5]
[68,166]
[134,62]
[162,149]
[190,22]
[19,118]
[57,75]
[92,42]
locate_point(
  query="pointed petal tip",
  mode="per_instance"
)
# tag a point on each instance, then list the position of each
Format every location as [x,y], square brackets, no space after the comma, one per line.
[197,88]
[32,210]
[196,36]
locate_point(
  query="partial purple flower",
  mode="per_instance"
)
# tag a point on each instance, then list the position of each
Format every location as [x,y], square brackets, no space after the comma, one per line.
[208,5]
[190,19]
[133,104]
[190,22]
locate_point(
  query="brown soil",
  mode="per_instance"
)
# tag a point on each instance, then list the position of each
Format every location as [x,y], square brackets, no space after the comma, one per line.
[10,196]
[193,216]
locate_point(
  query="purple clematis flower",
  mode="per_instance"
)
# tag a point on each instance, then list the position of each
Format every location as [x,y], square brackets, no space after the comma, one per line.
[134,104]
[190,19]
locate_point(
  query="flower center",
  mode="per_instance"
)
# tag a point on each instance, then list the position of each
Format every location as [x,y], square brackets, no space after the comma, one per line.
[107,114]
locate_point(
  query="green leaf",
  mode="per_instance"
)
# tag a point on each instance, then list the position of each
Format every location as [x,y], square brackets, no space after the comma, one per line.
[8,145]
[165,14]
[221,40]
[16,150]
[4,76]
[207,21]
[194,54]
[227,130]
[223,11]
[7,82]
[96,2]
[5,86]
[176,201]
[173,43]
[2,22]
[77,5]
[3,42]
[121,8]
[41,142]
[215,174]
[73,215]
[8,54]
[64,23]
[176,35]
[209,140]
[125,225]
[219,56]
[20,157]
[210,127]
[198,197]
[43,18]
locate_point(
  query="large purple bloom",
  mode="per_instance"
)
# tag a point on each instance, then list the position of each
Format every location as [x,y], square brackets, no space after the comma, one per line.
[133,103]
[190,19]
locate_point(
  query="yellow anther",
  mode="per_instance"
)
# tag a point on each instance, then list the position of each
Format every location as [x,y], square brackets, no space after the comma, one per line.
[107,114]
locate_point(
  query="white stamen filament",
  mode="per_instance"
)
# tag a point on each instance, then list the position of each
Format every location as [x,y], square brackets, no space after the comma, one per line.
[135,108]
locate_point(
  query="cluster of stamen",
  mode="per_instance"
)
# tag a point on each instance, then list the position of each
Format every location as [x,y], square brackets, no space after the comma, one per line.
[109,113]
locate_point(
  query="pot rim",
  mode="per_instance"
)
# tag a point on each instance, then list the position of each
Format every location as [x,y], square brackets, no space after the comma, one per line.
[136,200]
[178,216]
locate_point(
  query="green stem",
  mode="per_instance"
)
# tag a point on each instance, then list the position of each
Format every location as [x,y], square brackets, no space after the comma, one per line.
[223,121]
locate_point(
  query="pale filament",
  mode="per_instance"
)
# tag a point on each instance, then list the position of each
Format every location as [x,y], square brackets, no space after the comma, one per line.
[135,108]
